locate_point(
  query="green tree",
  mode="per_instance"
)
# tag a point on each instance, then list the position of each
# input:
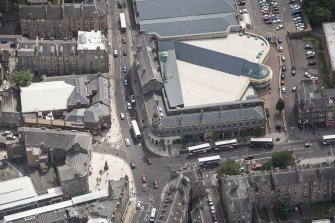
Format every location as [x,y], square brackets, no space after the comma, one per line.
[280,105]
[182,141]
[319,11]
[195,138]
[227,134]
[284,208]
[229,167]
[22,78]
[215,136]
[267,165]
[282,159]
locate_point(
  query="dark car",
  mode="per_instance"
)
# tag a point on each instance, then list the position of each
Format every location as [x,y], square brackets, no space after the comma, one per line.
[132,165]
[149,161]
[248,157]
[282,76]
[283,68]
[3,41]
[279,40]
[155,183]
[311,62]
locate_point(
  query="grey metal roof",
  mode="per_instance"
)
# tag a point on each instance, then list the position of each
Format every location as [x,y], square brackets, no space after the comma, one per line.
[95,112]
[79,94]
[233,115]
[185,17]
[285,178]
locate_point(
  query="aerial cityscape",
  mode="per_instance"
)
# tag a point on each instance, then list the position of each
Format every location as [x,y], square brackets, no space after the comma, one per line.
[167,111]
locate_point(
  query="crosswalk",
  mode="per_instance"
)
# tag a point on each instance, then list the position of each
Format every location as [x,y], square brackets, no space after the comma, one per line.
[264,29]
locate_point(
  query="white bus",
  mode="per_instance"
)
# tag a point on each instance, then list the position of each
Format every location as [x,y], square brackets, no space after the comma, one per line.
[328,139]
[199,149]
[123,24]
[152,215]
[136,130]
[261,142]
[209,161]
[226,144]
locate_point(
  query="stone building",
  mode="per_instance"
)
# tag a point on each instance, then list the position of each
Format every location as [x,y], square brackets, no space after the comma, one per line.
[62,21]
[329,49]
[59,57]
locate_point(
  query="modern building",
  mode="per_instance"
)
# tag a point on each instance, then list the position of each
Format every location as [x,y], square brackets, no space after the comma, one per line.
[185,93]
[68,102]
[328,42]
[69,151]
[315,106]
[180,18]
[62,21]
[303,184]
[86,55]
[99,206]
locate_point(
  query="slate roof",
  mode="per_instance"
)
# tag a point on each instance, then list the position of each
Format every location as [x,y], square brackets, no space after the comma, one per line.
[285,178]
[95,112]
[35,137]
[79,95]
[185,17]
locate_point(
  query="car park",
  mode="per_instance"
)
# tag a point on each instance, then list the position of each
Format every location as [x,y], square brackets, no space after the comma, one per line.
[127,142]
[129,106]
[283,89]
[144,178]
[125,82]
[122,116]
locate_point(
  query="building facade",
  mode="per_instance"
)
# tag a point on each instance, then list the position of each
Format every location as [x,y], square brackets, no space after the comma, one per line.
[62,21]
[329,48]
[315,106]
[58,57]
[305,184]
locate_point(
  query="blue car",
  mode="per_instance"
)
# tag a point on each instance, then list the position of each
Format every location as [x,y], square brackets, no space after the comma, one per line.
[125,82]
[124,69]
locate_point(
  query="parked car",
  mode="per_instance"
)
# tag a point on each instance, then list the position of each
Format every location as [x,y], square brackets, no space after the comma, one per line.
[282,76]
[294,89]
[293,72]
[129,106]
[132,165]
[283,68]
[283,89]
[115,53]
[144,187]
[308,47]
[279,27]
[125,82]
[155,184]
[280,49]
[124,69]
[122,116]
[124,40]
[282,58]
[308,75]
[127,142]
[243,11]
[212,209]
[124,52]
[279,40]
[308,144]
[144,178]
[149,161]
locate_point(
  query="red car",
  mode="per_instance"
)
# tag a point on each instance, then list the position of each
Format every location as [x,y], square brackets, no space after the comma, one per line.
[124,40]
[144,178]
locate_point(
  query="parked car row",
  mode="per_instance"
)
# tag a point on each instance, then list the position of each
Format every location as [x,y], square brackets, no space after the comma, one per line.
[211,206]
[297,16]
[270,12]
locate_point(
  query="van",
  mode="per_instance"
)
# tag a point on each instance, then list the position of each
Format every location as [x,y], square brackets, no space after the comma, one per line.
[138,206]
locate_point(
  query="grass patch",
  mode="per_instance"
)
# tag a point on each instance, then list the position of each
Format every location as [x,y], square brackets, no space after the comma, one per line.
[54,2]
[263,215]
[322,60]
[322,210]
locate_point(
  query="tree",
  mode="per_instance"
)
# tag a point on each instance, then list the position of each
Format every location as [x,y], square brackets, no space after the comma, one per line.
[280,105]
[215,136]
[195,138]
[319,11]
[282,159]
[229,167]
[22,78]
[284,208]
[267,165]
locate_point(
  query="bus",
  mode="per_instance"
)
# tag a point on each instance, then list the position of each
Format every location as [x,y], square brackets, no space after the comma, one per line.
[136,130]
[226,144]
[209,161]
[199,149]
[328,139]
[152,215]
[123,22]
[261,142]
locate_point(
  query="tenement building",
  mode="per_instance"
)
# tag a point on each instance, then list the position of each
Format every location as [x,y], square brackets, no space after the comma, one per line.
[62,21]
[304,184]
[88,54]
[315,105]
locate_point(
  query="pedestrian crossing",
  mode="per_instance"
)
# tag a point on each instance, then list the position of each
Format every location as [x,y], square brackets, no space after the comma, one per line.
[265,30]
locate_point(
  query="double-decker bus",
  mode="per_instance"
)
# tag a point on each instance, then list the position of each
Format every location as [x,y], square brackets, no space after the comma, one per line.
[328,139]
[209,161]
[123,24]
[261,142]
[199,149]
[226,144]
[136,129]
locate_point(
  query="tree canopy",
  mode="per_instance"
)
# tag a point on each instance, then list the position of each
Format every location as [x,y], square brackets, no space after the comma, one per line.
[229,167]
[280,105]
[282,159]
[22,78]
[319,11]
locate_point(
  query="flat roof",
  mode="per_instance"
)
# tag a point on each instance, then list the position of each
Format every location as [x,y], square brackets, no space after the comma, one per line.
[185,17]
[91,40]
[201,85]
[232,45]
[329,31]
[45,96]
[16,189]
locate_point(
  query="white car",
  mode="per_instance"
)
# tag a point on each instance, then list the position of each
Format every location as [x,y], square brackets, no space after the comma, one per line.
[127,142]
[280,49]
[122,116]
[132,99]
[283,59]
[283,89]
[306,74]
[294,89]
[313,78]
[212,209]
[243,11]
[280,26]
[115,53]
[129,106]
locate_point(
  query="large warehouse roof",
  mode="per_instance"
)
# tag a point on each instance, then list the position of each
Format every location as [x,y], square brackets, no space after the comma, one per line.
[45,96]
[185,17]
[329,30]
